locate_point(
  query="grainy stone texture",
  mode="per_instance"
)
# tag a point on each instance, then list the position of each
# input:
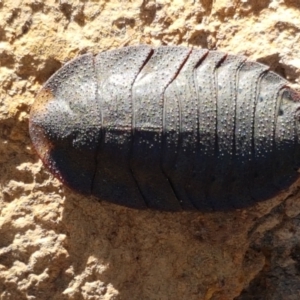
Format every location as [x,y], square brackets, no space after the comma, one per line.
[57,245]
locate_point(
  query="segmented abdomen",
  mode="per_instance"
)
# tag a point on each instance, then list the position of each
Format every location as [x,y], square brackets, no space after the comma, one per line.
[169,128]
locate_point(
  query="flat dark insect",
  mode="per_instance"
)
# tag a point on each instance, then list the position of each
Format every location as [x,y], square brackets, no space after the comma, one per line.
[169,128]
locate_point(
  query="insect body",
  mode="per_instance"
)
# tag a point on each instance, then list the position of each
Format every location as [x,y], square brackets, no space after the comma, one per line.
[168,128]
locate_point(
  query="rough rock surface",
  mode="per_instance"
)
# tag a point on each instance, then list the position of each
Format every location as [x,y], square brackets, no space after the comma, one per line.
[55,244]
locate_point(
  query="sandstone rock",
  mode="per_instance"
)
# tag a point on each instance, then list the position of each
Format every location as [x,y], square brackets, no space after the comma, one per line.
[55,244]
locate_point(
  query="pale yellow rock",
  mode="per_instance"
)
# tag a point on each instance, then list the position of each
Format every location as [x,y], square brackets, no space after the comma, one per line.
[55,244]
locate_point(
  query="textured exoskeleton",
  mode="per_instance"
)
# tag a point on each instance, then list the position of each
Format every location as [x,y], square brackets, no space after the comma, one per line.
[169,128]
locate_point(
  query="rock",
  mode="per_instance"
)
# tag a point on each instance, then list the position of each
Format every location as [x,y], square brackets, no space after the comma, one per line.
[55,244]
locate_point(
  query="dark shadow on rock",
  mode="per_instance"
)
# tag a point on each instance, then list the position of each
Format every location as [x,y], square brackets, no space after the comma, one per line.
[279,277]
[150,254]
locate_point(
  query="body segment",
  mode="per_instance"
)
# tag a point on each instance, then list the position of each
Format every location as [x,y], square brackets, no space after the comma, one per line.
[169,128]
